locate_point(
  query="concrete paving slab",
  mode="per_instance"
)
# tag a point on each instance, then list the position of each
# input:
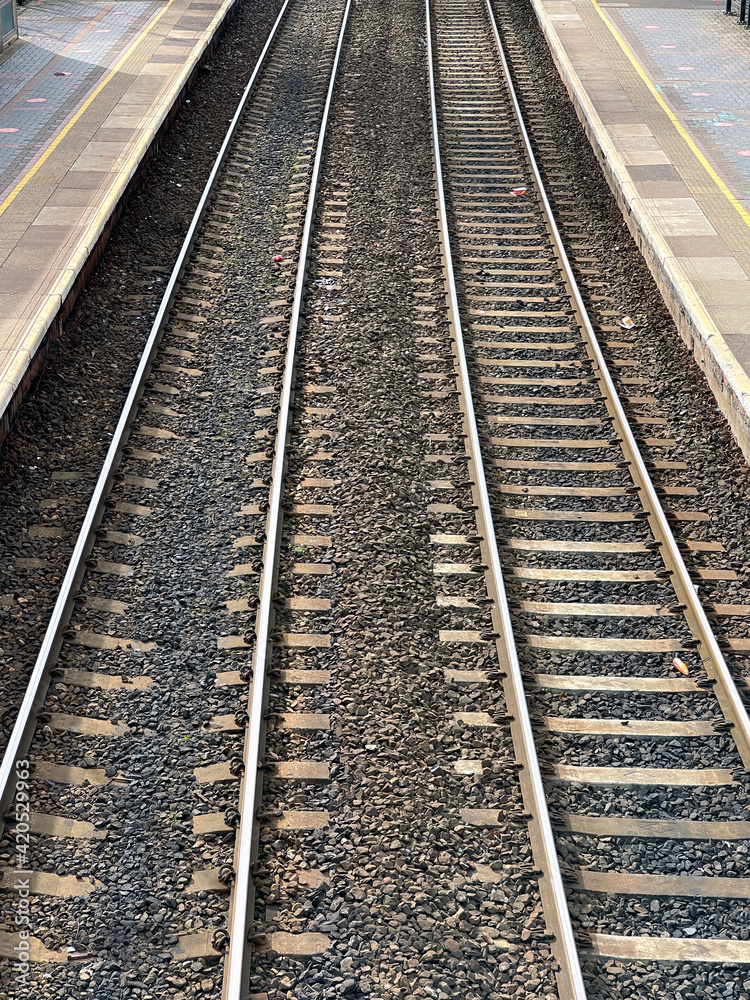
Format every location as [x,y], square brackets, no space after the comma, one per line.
[663,90]
[83,96]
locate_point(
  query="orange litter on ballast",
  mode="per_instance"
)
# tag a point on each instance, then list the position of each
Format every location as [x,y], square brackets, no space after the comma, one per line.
[680,666]
[517,191]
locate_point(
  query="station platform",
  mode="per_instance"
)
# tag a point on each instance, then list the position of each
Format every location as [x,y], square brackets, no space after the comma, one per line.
[663,90]
[84,94]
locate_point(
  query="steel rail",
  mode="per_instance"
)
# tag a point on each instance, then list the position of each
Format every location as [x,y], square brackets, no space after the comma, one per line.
[23,728]
[238,959]
[726,691]
[551,883]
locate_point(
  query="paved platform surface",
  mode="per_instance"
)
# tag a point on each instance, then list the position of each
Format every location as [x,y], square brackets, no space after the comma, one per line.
[663,89]
[82,96]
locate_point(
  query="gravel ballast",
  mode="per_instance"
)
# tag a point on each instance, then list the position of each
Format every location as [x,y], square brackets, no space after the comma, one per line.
[418,895]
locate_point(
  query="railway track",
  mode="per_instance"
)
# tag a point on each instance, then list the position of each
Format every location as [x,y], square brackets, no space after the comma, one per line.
[115,645]
[244,635]
[590,591]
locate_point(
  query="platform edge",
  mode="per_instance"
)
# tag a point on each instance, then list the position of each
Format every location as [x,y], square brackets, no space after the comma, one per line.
[725,376]
[59,301]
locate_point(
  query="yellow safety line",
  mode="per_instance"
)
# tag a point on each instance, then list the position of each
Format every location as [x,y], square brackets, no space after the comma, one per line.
[86,104]
[673,117]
